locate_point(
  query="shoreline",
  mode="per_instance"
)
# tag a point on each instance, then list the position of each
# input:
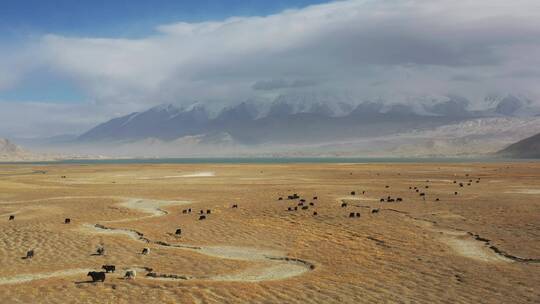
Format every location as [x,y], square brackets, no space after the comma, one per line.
[275,160]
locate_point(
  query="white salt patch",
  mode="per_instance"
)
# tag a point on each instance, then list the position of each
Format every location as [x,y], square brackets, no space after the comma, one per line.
[23,278]
[200,174]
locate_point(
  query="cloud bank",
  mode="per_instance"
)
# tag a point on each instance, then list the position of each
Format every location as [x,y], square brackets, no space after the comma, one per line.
[375,49]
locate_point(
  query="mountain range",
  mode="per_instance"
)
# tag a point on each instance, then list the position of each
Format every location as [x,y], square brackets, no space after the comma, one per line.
[309,125]
[294,120]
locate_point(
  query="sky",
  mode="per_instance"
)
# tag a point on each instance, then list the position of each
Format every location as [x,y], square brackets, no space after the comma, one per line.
[67,65]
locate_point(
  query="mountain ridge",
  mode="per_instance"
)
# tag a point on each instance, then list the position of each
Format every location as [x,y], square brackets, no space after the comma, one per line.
[525,148]
[290,119]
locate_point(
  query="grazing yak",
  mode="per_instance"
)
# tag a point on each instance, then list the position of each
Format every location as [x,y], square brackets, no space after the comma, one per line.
[178,231]
[202,217]
[11,217]
[97,276]
[294,196]
[280,199]
[145,251]
[184,211]
[67,221]
[201,212]
[357,214]
[399,199]
[100,251]
[305,207]
[343,205]
[130,274]
[30,254]
[312,204]
[208,211]
[375,211]
[109,268]
[353,192]
[351,214]
[314,212]
[382,200]
[315,197]
[235,206]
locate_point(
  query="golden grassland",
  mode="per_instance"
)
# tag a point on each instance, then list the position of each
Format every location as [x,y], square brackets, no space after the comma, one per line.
[479,246]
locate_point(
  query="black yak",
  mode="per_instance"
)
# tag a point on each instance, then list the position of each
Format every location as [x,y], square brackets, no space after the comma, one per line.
[97,276]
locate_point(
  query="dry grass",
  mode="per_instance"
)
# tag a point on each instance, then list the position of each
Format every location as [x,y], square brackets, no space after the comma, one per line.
[415,251]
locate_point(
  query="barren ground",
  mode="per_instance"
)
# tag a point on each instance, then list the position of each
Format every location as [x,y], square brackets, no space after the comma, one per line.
[479,246]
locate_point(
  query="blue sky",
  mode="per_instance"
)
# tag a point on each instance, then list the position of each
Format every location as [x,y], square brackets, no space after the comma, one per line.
[124,18]
[23,20]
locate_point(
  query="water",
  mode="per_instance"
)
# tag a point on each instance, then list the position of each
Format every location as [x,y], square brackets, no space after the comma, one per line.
[276,160]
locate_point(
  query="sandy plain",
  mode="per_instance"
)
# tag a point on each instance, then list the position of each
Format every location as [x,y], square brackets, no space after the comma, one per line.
[479,246]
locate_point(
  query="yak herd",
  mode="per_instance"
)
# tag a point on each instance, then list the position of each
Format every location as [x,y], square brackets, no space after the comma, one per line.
[300,204]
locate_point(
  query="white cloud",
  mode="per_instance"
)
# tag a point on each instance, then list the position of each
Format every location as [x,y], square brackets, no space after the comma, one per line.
[376,48]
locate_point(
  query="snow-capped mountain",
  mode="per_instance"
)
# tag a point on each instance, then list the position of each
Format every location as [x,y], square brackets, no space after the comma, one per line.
[283,122]
[433,123]
[163,121]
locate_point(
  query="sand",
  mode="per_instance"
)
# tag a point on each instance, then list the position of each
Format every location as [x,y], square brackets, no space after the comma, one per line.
[480,246]
[281,267]
[526,191]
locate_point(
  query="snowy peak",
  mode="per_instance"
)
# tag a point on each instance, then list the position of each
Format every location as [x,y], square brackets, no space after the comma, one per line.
[165,108]
[242,111]
[453,106]
[327,104]
[509,105]
[287,117]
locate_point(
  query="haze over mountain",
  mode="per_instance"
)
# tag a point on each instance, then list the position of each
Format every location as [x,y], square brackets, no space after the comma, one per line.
[307,125]
[11,152]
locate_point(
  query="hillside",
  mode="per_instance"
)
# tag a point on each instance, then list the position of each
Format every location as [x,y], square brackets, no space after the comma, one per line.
[526,148]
